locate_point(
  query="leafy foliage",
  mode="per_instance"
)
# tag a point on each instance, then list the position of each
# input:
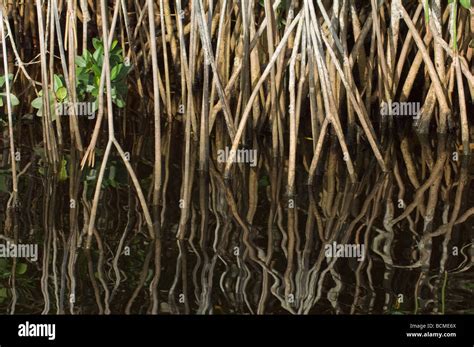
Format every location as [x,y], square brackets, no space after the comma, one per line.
[88,72]
[5,273]
[3,95]
[59,94]
[89,69]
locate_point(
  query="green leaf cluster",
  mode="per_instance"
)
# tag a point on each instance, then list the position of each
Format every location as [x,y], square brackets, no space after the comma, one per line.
[89,69]
[59,94]
[5,273]
[3,95]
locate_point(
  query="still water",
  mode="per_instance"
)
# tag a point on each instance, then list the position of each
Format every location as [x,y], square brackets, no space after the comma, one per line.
[398,242]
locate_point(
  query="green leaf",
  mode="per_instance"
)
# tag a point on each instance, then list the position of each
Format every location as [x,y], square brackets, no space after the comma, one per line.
[115,59]
[119,102]
[82,76]
[98,56]
[454,33]
[58,83]
[14,100]
[114,44]
[61,93]
[90,88]
[97,71]
[95,91]
[465,3]
[63,172]
[21,268]
[122,72]
[37,103]
[80,61]
[87,56]
[115,72]
[2,79]
[96,43]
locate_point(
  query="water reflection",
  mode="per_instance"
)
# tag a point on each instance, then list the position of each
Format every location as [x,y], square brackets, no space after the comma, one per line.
[245,244]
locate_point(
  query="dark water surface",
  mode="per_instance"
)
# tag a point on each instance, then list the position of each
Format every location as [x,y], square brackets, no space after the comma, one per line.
[248,247]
